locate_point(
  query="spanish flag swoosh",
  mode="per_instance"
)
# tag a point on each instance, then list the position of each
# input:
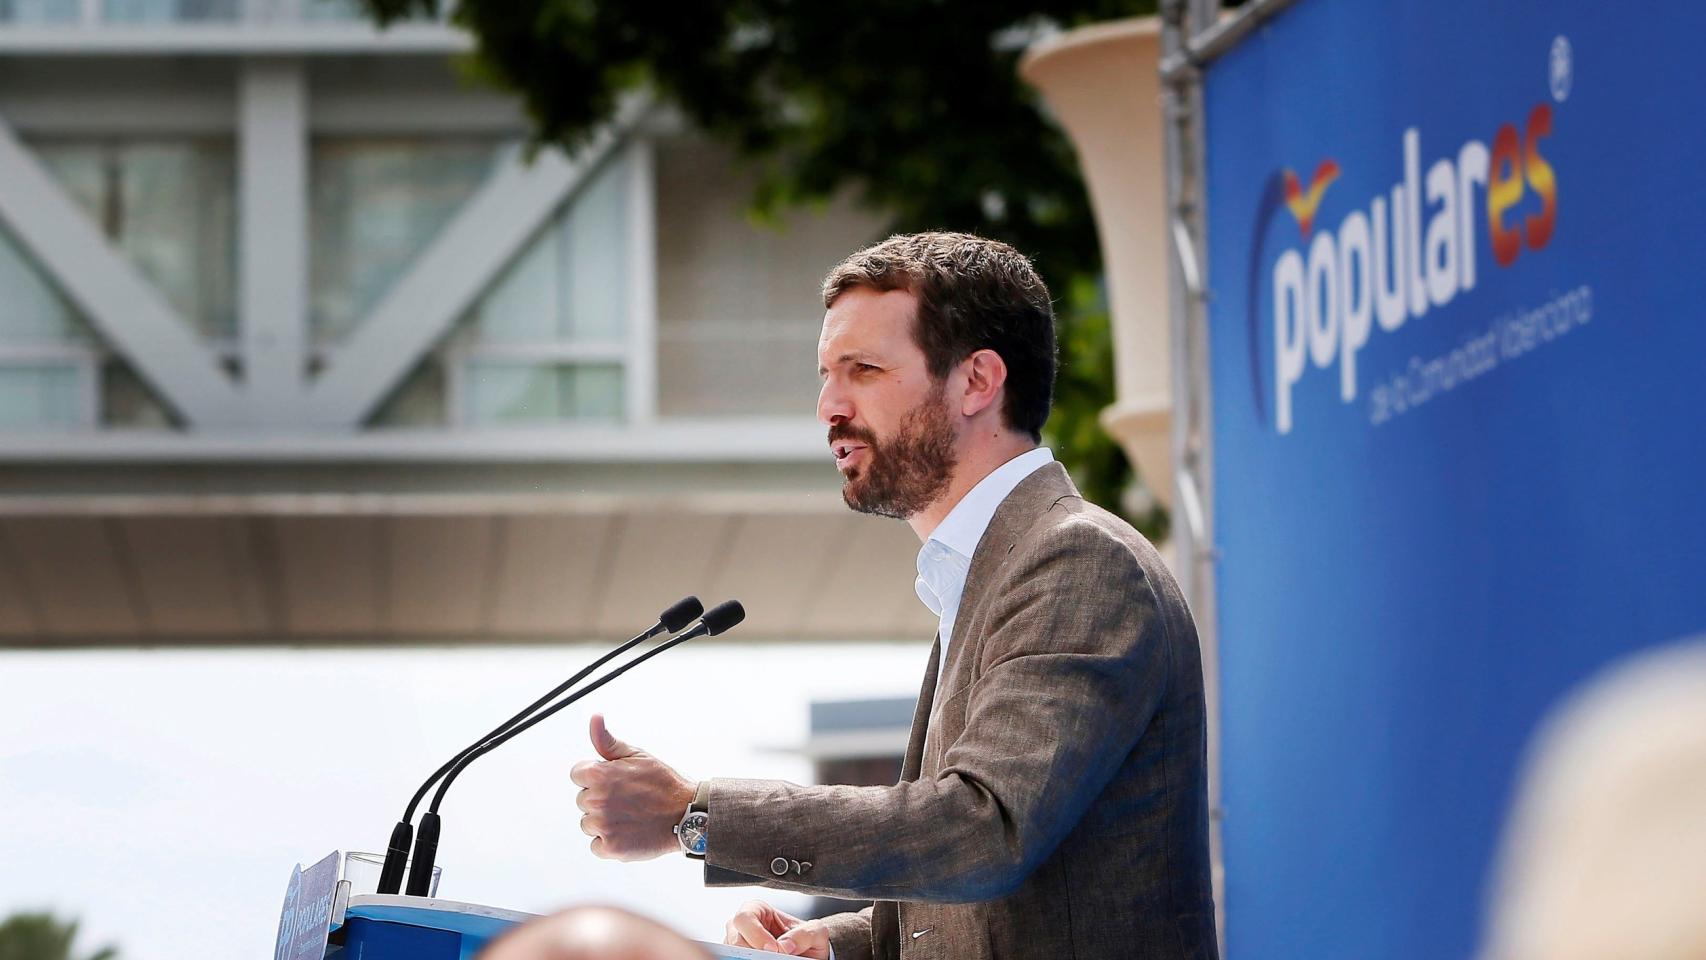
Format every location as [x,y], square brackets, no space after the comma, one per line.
[1303,204]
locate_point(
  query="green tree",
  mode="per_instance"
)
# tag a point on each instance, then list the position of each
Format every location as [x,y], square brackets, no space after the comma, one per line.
[42,936]
[916,105]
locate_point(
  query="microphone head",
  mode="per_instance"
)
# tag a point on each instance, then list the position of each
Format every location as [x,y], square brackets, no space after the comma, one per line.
[683,612]
[724,616]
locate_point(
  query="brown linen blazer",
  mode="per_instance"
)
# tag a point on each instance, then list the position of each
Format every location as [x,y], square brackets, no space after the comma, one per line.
[1053,800]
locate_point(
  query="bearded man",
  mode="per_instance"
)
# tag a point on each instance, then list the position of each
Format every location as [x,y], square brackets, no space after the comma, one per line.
[1053,799]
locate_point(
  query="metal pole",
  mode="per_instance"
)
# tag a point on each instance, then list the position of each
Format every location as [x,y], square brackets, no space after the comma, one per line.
[1201,17]
[1193,531]
[1213,37]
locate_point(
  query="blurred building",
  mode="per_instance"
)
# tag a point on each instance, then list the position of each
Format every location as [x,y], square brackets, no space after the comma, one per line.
[296,346]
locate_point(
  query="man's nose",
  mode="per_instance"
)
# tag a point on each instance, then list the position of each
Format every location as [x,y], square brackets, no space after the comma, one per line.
[833,407]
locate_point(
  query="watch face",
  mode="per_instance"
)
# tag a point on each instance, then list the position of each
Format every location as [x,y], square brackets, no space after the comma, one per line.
[693,832]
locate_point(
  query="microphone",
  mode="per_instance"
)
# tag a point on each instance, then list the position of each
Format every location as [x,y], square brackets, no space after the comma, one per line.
[679,615]
[718,619]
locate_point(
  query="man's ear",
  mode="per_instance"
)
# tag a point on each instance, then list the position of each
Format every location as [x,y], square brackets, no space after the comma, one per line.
[986,377]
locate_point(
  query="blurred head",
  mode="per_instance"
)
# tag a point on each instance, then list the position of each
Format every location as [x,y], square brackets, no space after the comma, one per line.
[593,933]
[933,345]
[1605,854]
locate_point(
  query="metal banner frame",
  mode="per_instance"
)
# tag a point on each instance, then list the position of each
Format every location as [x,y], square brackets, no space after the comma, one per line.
[1193,33]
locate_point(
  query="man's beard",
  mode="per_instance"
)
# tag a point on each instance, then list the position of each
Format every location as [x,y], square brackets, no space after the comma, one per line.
[910,470]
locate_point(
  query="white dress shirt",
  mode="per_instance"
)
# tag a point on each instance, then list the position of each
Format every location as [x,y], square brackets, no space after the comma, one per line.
[945,559]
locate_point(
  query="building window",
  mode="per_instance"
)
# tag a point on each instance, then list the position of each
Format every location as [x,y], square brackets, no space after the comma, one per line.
[189,11]
[322,10]
[45,392]
[32,311]
[127,402]
[498,392]
[55,373]
[374,206]
[170,207]
[553,339]
[332,10]
[40,11]
[418,401]
[168,11]
[47,354]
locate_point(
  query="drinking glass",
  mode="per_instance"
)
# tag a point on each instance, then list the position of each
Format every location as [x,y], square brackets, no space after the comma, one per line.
[362,871]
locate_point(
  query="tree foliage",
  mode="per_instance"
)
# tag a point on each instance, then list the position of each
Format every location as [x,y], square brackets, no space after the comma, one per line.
[914,104]
[42,936]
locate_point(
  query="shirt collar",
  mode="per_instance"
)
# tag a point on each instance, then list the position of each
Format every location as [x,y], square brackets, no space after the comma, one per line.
[964,525]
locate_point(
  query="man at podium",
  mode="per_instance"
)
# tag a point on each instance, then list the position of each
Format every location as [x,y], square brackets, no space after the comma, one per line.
[1053,799]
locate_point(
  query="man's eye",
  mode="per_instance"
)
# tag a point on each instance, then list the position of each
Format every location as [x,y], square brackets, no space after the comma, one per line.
[864,367]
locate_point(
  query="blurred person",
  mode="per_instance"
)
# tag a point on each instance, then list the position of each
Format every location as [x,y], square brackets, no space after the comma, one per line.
[1053,798]
[1605,853]
[593,933]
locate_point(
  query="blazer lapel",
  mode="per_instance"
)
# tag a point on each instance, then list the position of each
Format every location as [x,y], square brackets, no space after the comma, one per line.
[921,717]
[885,914]
[1034,495]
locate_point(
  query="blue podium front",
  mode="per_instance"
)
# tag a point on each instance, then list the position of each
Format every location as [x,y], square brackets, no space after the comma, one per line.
[386,927]
[321,920]
[380,927]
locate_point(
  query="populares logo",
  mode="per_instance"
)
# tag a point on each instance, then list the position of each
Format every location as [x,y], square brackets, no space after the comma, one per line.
[1395,257]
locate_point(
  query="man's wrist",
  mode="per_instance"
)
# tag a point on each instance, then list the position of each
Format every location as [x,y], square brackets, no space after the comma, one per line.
[693,833]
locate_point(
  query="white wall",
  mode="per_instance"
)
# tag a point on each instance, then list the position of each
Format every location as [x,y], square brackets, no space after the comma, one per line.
[738,303]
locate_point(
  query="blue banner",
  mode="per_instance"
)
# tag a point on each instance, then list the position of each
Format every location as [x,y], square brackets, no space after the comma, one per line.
[1459,386]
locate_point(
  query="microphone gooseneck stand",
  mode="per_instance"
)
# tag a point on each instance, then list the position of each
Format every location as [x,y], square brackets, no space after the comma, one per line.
[717,620]
[679,615]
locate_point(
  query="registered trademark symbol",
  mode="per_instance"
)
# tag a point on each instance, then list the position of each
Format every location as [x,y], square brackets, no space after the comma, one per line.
[1561,68]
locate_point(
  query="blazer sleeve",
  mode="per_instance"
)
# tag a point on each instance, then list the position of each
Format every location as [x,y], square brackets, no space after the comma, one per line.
[850,935]
[1072,668]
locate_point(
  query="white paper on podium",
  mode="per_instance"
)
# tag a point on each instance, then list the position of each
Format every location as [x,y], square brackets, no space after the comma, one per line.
[721,951]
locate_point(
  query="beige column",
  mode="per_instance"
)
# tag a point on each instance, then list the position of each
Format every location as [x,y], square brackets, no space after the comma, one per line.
[1103,86]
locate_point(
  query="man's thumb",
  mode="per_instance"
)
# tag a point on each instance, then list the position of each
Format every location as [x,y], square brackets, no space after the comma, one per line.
[608,746]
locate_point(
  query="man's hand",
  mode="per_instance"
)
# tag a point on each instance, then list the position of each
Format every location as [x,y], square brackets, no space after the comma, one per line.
[631,799]
[763,927]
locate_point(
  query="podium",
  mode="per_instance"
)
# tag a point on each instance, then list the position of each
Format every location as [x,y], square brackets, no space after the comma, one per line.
[381,927]
[322,921]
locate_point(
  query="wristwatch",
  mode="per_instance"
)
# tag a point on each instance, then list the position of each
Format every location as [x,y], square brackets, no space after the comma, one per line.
[693,832]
